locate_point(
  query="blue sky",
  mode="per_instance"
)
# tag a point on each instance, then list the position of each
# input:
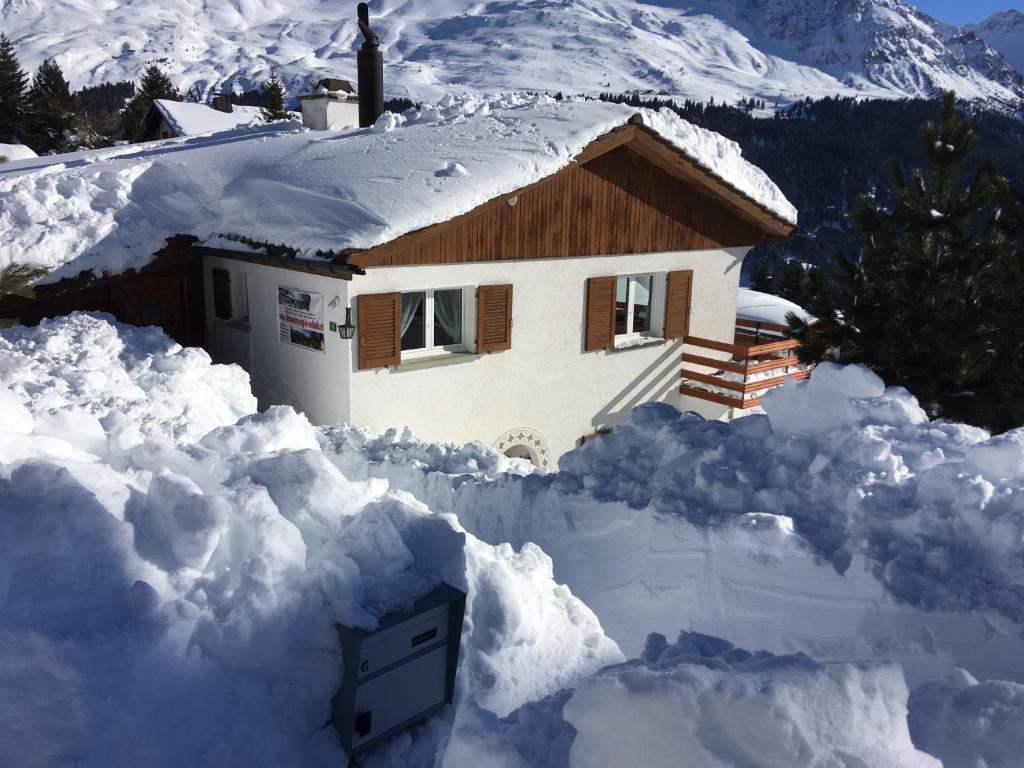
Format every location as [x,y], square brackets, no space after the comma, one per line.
[966,11]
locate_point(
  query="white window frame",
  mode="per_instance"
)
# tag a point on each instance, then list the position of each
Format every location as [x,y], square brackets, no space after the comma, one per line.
[654,330]
[468,324]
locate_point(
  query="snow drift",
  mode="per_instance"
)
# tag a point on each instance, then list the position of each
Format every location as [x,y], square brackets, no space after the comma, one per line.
[172,564]
[170,573]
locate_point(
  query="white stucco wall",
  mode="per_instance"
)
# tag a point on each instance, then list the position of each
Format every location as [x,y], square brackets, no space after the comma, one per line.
[312,382]
[329,114]
[546,382]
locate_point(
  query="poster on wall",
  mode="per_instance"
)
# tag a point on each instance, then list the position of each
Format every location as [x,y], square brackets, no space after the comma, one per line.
[301,318]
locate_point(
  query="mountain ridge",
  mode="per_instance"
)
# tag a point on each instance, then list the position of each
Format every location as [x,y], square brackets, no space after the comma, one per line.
[779,50]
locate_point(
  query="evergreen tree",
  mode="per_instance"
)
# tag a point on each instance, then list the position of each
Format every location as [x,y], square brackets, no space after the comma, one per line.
[16,280]
[273,101]
[52,121]
[154,85]
[930,303]
[13,82]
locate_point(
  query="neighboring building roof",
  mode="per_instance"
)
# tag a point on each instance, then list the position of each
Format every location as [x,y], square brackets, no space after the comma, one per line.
[112,209]
[188,119]
[12,152]
[766,308]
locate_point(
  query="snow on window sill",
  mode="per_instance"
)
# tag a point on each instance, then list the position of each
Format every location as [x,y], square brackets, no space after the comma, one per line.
[436,361]
[636,342]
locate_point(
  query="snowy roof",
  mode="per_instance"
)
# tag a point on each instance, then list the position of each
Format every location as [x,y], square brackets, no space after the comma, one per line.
[766,308]
[110,210]
[189,119]
[16,152]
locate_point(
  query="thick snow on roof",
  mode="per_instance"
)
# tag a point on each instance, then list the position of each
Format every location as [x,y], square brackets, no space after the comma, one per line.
[320,190]
[12,152]
[189,119]
[766,308]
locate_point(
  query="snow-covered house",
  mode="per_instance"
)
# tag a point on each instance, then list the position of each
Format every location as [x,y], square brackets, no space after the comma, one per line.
[517,271]
[168,119]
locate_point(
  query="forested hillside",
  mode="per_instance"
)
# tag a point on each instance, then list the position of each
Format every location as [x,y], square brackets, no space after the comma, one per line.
[825,153]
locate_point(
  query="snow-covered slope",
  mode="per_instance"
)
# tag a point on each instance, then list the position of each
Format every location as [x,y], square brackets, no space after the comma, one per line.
[726,49]
[1004,31]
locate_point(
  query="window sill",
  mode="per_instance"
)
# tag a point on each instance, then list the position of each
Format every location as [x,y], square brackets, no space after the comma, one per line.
[637,342]
[437,361]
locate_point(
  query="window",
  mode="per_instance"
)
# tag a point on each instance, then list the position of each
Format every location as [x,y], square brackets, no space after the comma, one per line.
[633,300]
[230,298]
[432,321]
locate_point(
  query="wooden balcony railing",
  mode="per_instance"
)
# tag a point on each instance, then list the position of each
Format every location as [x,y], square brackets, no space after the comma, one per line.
[740,382]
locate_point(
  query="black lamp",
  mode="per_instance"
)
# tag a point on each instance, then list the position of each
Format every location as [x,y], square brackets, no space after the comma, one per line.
[347,329]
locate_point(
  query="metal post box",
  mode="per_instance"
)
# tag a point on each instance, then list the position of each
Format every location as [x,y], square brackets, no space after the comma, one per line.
[401,672]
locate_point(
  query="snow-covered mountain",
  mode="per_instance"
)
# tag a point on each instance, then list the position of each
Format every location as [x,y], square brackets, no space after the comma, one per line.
[1005,32]
[772,49]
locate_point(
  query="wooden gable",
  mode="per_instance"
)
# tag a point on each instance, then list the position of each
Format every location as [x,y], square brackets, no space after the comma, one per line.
[628,192]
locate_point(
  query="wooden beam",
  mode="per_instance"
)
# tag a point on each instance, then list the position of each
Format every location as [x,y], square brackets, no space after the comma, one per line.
[661,152]
[714,397]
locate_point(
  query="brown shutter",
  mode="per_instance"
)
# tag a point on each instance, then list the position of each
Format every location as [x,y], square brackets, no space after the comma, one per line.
[494,318]
[600,331]
[379,322]
[222,294]
[677,304]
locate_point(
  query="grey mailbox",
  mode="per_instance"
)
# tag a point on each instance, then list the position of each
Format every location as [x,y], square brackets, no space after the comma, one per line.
[400,672]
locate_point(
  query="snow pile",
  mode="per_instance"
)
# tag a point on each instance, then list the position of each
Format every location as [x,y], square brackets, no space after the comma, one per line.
[170,573]
[723,706]
[718,705]
[188,119]
[323,190]
[12,152]
[969,724]
[766,308]
[938,506]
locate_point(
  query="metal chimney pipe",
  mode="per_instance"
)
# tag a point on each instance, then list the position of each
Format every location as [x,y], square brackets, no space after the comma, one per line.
[370,66]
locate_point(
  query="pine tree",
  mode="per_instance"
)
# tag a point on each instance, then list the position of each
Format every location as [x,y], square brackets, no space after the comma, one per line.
[929,304]
[52,118]
[16,280]
[13,82]
[273,100]
[154,85]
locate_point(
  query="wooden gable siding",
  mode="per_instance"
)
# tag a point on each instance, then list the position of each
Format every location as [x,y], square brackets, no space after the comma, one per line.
[618,202]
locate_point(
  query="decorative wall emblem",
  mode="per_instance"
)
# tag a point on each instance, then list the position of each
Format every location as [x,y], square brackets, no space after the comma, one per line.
[525,443]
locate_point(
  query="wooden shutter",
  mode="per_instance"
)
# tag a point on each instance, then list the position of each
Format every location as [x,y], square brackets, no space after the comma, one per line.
[677,304]
[222,294]
[494,318]
[600,331]
[379,324]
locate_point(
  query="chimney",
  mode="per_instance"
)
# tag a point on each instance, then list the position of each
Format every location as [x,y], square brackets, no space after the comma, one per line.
[370,66]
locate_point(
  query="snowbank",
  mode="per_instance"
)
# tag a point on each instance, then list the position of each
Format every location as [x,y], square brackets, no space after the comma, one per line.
[324,190]
[170,573]
[12,152]
[703,703]
[842,524]
[766,308]
[969,724]
[172,565]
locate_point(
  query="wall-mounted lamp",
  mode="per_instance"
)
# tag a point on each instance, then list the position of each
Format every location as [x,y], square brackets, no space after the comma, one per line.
[513,200]
[347,329]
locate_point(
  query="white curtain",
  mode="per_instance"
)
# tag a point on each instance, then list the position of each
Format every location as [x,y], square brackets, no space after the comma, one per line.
[448,312]
[410,303]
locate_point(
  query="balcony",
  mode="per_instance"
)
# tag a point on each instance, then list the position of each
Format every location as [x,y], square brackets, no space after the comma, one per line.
[760,359]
